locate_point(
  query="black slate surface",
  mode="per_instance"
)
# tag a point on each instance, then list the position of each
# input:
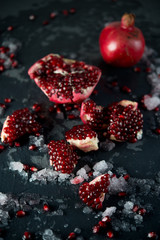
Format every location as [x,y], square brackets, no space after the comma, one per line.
[75,35]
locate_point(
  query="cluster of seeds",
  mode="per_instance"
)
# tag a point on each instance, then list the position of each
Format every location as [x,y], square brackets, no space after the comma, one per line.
[125,122]
[21,122]
[80,132]
[62,156]
[92,193]
[55,75]
[95,116]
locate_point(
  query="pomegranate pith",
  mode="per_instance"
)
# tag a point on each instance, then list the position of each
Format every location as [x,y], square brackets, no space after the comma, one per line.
[93,193]
[62,156]
[82,137]
[21,122]
[64,80]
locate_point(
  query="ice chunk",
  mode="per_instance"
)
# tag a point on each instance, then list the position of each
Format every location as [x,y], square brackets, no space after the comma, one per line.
[101,166]
[3,198]
[87,168]
[128,205]
[49,235]
[63,177]
[151,102]
[117,185]
[138,219]
[109,211]
[107,145]
[16,166]
[44,175]
[87,210]
[1,111]
[39,143]
[82,173]
[96,174]
[77,230]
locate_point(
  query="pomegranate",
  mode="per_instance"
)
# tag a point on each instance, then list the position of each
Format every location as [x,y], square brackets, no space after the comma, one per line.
[62,156]
[121,43]
[64,80]
[93,115]
[82,137]
[21,122]
[125,121]
[93,193]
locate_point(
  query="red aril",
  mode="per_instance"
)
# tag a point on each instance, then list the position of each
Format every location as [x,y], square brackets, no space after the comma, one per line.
[64,80]
[121,43]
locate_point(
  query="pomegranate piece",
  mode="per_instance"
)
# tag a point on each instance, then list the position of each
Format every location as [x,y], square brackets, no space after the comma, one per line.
[82,137]
[64,80]
[21,122]
[93,193]
[62,156]
[93,115]
[125,121]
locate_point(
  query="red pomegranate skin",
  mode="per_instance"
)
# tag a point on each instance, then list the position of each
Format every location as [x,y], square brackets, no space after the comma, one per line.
[121,45]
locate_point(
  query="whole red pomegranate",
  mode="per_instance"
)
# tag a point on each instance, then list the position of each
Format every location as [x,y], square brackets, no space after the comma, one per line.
[121,43]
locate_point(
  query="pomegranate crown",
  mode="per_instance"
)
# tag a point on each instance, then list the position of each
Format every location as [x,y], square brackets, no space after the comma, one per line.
[128,20]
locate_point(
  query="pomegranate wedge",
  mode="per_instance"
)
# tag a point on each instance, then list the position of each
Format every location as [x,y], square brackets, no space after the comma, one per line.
[64,80]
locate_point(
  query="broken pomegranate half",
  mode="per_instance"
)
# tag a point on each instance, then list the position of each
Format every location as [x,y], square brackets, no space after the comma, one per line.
[82,137]
[125,121]
[62,156]
[93,115]
[21,122]
[64,80]
[93,193]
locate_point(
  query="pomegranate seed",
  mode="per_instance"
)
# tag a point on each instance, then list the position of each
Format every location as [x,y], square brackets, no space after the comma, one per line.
[114,83]
[33,169]
[72,235]
[52,15]
[141,211]
[156,109]
[20,213]
[72,10]
[17,144]
[110,234]
[45,207]
[152,235]
[36,107]
[135,208]
[95,92]
[157,130]
[148,69]
[1,147]
[65,12]
[37,134]
[102,224]
[90,174]
[26,167]
[32,147]
[96,229]
[2,60]
[68,108]
[71,116]
[2,105]
[51,109]
[1,68]
[32,17]
[122,194]
[126,177]
[26,235]
[8,100]
[137,69]
[10,28]
[113,175]
[14,64]
[12,55]
[126,89]
[58,110]
[46,22]
[106,219]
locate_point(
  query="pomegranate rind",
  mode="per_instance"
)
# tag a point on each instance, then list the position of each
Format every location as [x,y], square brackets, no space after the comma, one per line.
[86,145]
[77,96]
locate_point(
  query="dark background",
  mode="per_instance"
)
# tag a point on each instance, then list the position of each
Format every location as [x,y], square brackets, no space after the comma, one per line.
[75,35]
